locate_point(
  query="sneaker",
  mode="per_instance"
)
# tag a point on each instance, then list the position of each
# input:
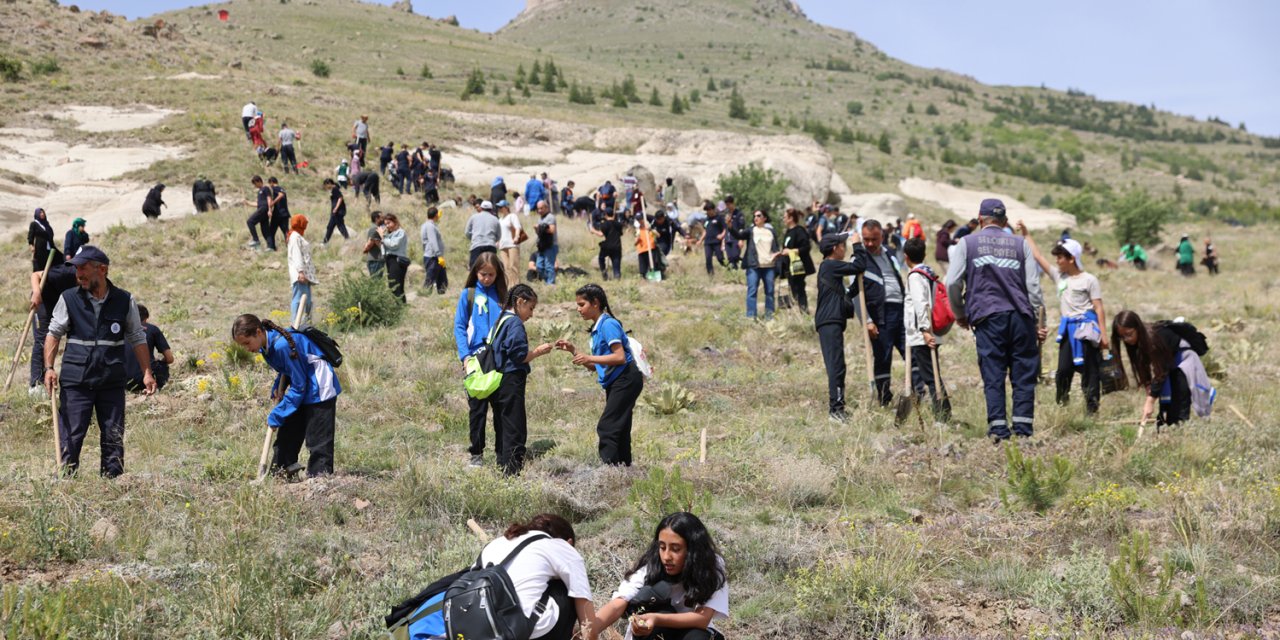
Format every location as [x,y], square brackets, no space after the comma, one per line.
[838,416]
[998,440]
[476,462]
[252,244]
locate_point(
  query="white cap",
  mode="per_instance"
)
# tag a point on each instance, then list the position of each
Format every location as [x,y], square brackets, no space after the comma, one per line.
[1074,249]
[486,205]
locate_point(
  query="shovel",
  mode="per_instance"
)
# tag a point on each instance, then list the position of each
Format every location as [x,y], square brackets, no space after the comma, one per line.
[908,395]
[266,440]
[57,433]
[22,337]
[866,337]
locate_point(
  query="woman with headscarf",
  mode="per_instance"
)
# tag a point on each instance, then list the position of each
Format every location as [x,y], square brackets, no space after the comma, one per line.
[151,206]
[302,272]
[40,237]
[76,237]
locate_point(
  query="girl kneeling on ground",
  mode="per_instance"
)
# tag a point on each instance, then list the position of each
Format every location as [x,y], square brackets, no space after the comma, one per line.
[1155,351]
[682,555]
[616,372]
[512,357]
[306,389]
[550,568]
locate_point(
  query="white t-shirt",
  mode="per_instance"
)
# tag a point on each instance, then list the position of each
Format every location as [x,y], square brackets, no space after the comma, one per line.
[1076,293]
[719,601]
[510,231]
[362,129]
[539,563]
[250,110]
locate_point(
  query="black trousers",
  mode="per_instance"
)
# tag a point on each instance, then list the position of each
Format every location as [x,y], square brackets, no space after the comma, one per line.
[337,221]
[713,250]
[205,201]
[925,380]
[279,224]
[1178,409]
[563,630]
[397,269]
[246,121]
[891,336]
[1090,381]
[39,329]
[478,410]
[475,253]
[76,406]
[260,219]
[831,342]
[663,633]
[512,422]
[436,275]
[798,294]
[614,255]
[313,424]
[614,427]
[288,158]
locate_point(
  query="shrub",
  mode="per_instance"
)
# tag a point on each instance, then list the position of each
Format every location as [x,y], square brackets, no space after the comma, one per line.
[1084,206]
[671,400]
[664,492]
[320,68]
[579,96]
[677,104]
[737,105]
[655,99]
[854,108]
[10,69]
[44,66]
[1140,218]
[883,144]
[372,300]
[474,86]
[755,187]
[1036,485]
[425,72]
[931,110]
[1147,595]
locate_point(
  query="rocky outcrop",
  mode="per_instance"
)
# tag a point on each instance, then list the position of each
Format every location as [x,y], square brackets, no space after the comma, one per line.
[403,5]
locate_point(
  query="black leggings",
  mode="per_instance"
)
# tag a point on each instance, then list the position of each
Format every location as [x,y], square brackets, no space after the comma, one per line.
[1090,381]
[713,250]
[396,271]
[512,421]
[337,221]
[312,423]
[614,427]
[568,612]
[798,293]
[663,633]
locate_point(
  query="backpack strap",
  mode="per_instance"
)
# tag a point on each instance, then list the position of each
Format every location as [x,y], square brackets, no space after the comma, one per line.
[514,552]
[497,327]
[471,300]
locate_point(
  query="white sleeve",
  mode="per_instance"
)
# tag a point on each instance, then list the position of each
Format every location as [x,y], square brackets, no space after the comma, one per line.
[719,601]
[630,586]
[920,300]
[569,566]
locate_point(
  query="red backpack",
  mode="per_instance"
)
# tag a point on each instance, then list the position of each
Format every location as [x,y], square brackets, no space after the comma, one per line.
[943,316]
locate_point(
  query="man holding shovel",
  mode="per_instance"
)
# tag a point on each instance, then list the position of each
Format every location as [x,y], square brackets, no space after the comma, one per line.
[99,322]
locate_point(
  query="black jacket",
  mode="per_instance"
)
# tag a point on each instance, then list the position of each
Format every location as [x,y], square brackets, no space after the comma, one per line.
[834,305]
[797,238]
[749,258]
[873,281]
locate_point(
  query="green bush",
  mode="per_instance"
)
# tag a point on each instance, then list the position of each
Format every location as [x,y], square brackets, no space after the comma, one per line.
[320,68]
[655,99]
[754,187]
[371,299]
[737,106]
[10,69]
[883,143]
[854,108]
[665,492]
[1034,484]
[1084,206]
[425,72]
[677,104]
[44,66]
[1148,595]
[1140,218]
[474,86]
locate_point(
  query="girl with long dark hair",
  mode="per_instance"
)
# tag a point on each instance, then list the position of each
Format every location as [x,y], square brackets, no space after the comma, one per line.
[616,372]
[683,555]
[796,246]
[479,306]
[1153,358]
[305,407]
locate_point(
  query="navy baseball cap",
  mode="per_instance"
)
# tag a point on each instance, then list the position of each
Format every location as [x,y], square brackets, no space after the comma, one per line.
[831,241]
[501,204]
[89,253]
[991,208]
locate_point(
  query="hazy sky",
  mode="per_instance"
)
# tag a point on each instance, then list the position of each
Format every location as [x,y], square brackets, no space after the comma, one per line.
[1193,57]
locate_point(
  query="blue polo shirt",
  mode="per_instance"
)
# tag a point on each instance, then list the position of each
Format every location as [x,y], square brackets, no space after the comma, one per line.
[608,332]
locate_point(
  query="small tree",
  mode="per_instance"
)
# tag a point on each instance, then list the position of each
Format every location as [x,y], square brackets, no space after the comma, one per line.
[320,68]
[474,86]
[425,73]
[737,106]
[549,79]
[854,108]
[655,99]
[677,104]
[754,187]
[711,85]
[931,110]
[695,96]
[1140,218]
[883,144]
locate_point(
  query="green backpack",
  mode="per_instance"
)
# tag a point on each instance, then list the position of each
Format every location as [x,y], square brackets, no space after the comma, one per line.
[483,377]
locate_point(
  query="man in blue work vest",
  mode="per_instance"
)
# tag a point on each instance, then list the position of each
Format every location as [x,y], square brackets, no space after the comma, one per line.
[994,286]
[99,322]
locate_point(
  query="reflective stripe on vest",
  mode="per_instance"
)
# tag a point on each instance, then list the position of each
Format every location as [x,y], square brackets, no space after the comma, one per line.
[94,356]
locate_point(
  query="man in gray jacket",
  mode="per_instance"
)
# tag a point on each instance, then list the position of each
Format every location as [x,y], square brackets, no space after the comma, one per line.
[994,286]
[433,253]
[483,230]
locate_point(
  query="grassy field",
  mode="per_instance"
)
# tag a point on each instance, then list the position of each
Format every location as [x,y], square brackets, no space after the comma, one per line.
[865,529]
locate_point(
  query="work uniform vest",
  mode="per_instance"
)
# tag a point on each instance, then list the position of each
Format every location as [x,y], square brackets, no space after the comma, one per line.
[94,356]
[995,274]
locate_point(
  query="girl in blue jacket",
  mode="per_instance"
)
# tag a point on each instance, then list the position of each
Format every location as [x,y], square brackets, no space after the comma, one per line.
[479,306]
[512,356]
[615,369]
[306,391]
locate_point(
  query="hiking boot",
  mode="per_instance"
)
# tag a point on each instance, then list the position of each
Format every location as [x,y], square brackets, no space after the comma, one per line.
[291,472]
[477,461]
[838,416]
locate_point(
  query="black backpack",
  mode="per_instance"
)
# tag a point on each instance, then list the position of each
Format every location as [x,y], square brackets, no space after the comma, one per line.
[1188,332]
[326,344]
[483,605]
[545,237]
